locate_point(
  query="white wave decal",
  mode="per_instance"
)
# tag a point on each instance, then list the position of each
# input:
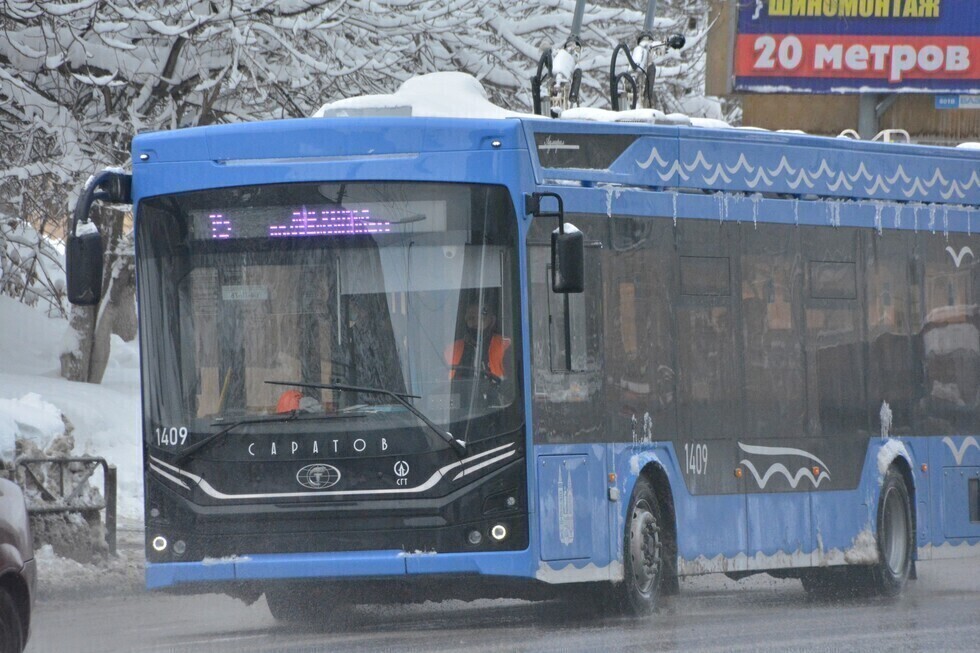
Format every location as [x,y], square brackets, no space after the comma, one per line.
[784,165]
[899,174]
[740,165]
[958,257]
[879,184]
[973,181]
[654,157]
[795,178]
[841,181]
[953,188]
[938,176]
[718,173]
[959,452]
[779,468]
[800,178]
[824,169]
[760,175]
[916,186]
[861,172]
[674,169]
[699,160]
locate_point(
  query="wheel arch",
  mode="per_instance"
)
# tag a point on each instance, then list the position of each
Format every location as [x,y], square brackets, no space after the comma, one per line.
[898,458]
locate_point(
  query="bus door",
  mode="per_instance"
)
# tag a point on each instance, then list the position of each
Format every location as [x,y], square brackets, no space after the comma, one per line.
[566,382]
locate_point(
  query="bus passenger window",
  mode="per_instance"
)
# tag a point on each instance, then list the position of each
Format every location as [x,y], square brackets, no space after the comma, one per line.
[950,335]
[834,340]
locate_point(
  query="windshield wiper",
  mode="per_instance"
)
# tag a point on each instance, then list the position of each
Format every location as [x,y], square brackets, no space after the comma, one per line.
[264,419]
[458,445]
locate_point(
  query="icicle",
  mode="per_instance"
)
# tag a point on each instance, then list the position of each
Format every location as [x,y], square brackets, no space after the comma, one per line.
[673,198]
[878,209]
[796,212]
[755,210]
[898,215]
[932,218]
[886,419]
[833,211]
[946,222]
[611,192]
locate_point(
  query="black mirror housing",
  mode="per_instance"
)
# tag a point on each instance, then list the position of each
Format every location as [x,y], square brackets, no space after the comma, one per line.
[84,252]
[568,261]
[83,262]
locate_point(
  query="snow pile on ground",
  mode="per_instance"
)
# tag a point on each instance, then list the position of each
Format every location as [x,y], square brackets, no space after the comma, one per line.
[60,577]
[33,396]
[29,419]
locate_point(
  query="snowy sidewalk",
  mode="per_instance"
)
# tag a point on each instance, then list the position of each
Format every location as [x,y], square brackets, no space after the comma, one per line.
[62,578]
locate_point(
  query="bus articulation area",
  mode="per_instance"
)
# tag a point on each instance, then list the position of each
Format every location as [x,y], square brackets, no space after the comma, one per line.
[443,357]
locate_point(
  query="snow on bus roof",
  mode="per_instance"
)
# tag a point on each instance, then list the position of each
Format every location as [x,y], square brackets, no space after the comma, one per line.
[435,95]
[460,95]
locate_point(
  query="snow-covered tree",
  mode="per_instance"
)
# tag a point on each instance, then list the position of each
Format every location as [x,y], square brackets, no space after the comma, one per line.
[79,79]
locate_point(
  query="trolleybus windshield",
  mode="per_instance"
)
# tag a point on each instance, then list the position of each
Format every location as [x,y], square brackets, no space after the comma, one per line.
[364,285]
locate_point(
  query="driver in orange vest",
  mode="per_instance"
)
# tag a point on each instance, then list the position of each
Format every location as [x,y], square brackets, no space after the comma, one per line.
[462,354]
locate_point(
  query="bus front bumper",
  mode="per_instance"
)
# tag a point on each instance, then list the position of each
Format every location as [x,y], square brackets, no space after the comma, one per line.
[341,566]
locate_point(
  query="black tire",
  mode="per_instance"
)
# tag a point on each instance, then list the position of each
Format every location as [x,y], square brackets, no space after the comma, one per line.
[895,541]
[11,626]
[643,549]
[896,536]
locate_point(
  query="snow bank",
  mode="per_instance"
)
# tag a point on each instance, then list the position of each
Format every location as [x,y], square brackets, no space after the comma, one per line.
[436,95]
[106,417]
[28,418]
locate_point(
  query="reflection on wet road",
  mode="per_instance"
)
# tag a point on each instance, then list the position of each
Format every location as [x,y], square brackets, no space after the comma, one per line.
[940,611]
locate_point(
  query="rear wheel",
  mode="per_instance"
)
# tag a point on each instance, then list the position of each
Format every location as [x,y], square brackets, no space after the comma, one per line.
[11,627]
[895,543]
[896,538]
[642,553]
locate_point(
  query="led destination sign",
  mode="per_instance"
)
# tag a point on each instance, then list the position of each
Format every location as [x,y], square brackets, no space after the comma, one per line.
[304,222]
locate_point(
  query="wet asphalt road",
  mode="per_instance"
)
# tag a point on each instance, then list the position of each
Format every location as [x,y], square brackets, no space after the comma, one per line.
[939,612]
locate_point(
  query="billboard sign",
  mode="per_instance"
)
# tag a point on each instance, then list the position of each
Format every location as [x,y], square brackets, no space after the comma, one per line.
[857,46]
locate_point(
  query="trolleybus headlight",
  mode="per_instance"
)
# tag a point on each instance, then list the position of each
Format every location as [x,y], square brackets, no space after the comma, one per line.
[180,547]
[474,537]
[159,543]
[498,532]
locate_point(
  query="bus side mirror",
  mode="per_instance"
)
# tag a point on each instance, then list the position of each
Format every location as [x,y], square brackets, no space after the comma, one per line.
[84,252]
[568,260]
[567,246]
[83,263]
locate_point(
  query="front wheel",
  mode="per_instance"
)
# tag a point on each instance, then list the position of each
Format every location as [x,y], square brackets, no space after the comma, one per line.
[642,553]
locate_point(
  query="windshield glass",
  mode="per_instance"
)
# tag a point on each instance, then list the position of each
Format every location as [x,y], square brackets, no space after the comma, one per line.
[388,287]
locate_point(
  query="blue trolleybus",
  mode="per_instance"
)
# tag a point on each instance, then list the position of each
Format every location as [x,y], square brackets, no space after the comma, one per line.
[410,357]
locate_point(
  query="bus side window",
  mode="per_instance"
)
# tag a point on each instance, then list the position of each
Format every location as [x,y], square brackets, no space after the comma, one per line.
[571,356]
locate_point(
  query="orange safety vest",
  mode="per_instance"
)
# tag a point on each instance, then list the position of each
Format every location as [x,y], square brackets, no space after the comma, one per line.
[289,401]
[498,347]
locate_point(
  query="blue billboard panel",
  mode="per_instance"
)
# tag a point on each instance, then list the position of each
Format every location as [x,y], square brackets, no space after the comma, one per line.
[850,46]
